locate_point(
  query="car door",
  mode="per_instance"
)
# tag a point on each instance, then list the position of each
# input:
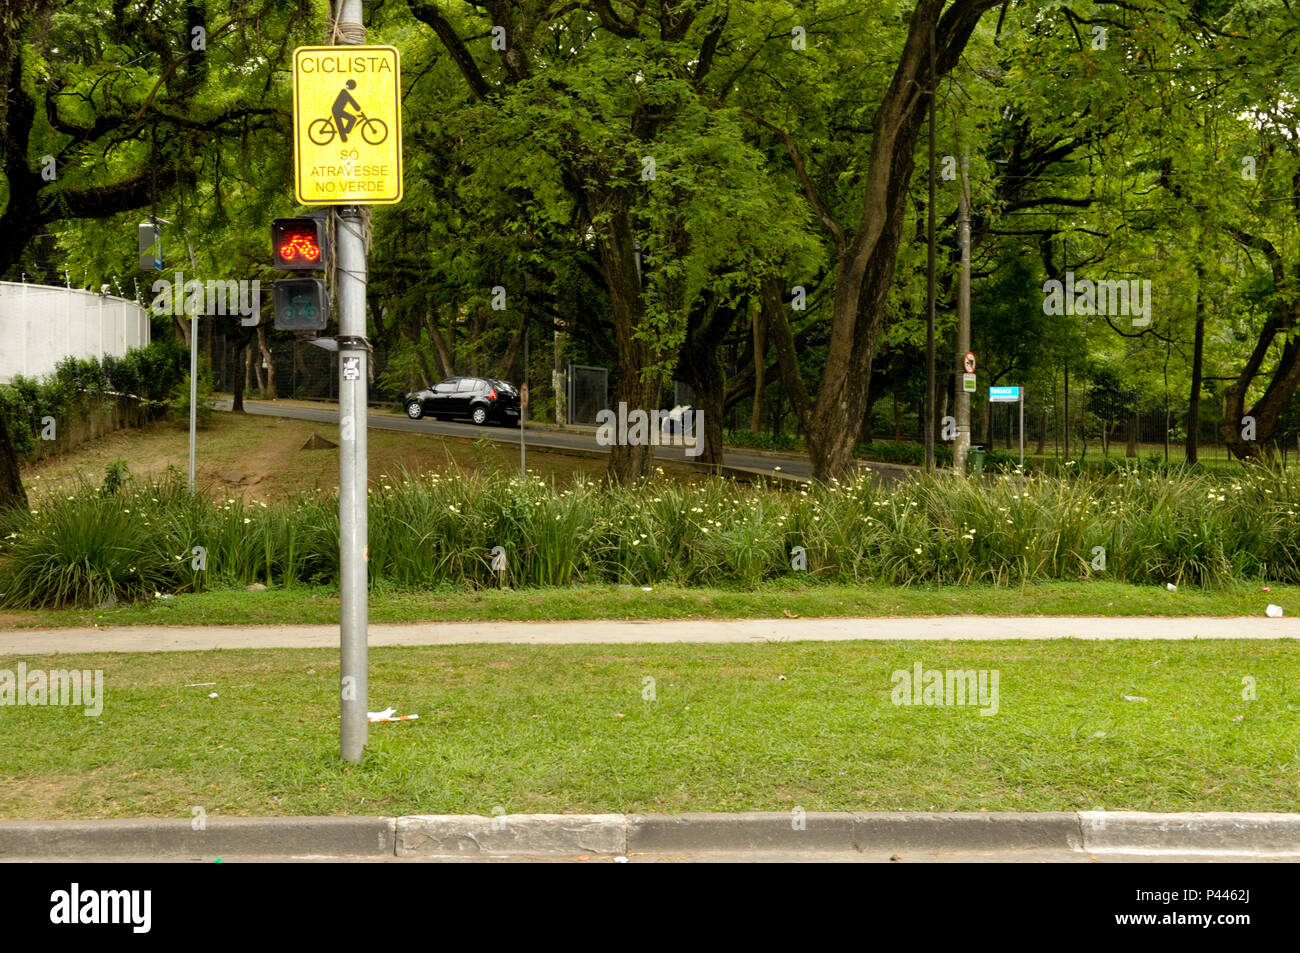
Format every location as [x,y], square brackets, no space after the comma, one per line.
[444,402]
[465,393]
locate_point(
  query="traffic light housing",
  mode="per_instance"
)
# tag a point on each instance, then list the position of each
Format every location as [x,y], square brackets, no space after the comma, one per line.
[150,246]
[299,244]
[301,304]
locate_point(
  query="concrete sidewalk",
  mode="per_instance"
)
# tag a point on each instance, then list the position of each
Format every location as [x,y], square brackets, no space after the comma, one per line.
[896,836]
[157,638]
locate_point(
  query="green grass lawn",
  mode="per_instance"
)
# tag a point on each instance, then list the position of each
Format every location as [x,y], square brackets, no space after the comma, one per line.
[321,604]
[730,728]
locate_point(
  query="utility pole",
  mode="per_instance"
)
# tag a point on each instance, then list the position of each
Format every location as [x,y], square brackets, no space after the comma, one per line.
[929,317]
[1065,262]
[523,410]
[353,476]
[194,368]
[961,447]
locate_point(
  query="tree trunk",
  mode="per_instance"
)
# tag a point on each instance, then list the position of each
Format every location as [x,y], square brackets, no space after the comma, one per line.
[699,364]
[1268,409]
[1133,425]
[237,385]
[865,262]
[1194,399]
[760,360]
[478,323]
[267,387]
[443,351]
[514,351]
[12,493]
[627,463]
[1042,435]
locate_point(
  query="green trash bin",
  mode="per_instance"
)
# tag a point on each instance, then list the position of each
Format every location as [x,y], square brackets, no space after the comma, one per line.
[976,460]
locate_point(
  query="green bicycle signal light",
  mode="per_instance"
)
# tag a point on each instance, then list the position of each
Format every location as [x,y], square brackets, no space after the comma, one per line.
[301,304]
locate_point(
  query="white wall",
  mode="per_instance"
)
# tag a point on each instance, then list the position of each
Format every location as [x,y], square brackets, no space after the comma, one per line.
[41,324]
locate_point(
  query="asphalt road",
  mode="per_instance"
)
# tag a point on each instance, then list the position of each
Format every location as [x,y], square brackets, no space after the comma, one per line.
[756,460]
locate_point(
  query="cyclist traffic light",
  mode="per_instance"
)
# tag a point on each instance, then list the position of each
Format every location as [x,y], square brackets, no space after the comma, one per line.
[299,244]
[301,304]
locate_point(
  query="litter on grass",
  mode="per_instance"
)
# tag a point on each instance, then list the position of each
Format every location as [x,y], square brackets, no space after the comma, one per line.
[1273,612]
[389,714]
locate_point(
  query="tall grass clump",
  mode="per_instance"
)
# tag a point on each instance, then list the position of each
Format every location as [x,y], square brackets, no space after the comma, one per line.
[431,530]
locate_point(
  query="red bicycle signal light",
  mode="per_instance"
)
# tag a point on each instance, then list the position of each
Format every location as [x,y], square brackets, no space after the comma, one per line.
[298,244]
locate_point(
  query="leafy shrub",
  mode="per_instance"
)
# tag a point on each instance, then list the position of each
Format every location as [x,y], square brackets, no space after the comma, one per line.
[912,454]
[116,476]
[761,441]
[150,373]
[178,404]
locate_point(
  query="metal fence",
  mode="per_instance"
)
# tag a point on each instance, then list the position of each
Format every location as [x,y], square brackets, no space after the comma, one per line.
[588,393]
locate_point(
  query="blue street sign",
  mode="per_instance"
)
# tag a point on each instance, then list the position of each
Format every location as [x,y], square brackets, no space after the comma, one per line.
[1010,394]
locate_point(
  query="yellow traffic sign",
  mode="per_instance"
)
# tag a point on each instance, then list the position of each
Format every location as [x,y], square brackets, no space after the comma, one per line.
[347,125]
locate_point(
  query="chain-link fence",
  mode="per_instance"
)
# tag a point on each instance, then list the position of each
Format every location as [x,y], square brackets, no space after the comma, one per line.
[588,393]
[297,369]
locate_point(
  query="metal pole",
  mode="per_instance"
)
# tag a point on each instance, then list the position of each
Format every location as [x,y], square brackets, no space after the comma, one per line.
[194,365]
[523,411]
[929,317]
[353,476]
[961,447]
[194,388]
[1022,430]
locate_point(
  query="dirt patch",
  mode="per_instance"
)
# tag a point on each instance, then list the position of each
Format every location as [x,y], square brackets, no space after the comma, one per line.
[262,458]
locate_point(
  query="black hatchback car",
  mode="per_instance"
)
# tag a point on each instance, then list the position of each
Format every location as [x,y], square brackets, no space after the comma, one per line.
[482,399]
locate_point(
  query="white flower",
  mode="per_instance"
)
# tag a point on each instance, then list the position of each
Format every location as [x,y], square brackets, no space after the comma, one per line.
[918,550]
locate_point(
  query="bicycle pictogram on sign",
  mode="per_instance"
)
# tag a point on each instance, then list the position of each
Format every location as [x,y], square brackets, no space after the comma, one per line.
[323,130]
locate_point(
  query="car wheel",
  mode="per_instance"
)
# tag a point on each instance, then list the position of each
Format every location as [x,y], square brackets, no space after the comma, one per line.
[479,415]
[414,410]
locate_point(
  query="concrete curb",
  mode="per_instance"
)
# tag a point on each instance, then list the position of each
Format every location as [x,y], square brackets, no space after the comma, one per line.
[424,835]
[219,837]
[443,835]
[1200,832]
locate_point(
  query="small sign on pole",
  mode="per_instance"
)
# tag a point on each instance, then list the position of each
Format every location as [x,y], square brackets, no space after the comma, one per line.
[968,362]
[968,383]
[1011,395]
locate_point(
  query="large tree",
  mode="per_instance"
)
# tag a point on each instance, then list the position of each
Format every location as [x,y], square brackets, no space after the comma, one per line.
[866,244]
